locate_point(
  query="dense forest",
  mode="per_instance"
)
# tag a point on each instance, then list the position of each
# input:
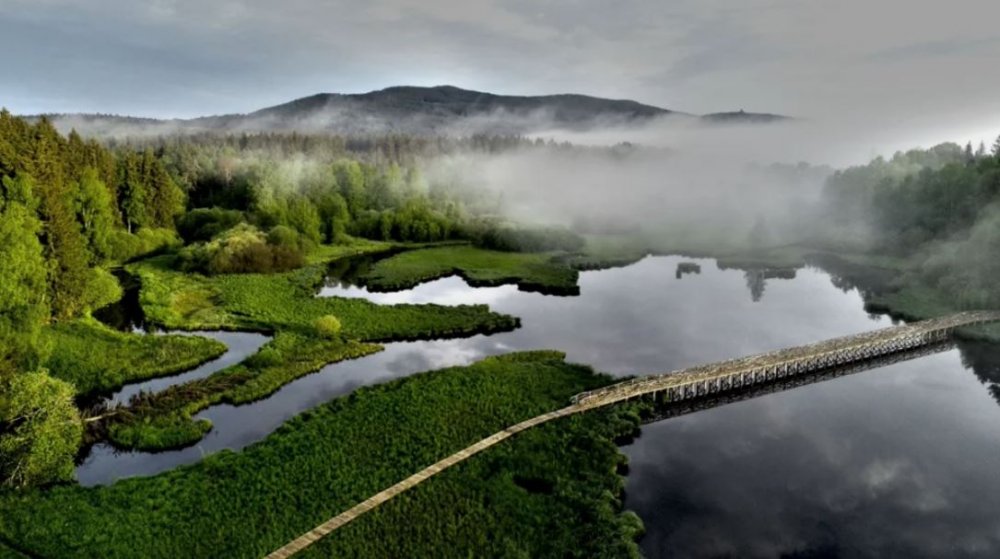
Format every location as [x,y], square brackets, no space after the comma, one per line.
[69,208]
[939,208]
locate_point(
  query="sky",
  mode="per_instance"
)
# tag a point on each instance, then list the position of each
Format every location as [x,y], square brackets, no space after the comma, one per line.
[926,70]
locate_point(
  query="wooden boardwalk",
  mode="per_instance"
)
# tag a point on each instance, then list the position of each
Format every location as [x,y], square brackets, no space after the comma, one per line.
[690,384]
[310,537]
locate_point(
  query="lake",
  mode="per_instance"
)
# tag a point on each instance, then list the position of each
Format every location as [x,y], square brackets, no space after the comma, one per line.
[897,461]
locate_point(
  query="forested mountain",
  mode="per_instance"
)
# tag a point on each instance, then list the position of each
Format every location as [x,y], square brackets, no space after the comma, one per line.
[437,110]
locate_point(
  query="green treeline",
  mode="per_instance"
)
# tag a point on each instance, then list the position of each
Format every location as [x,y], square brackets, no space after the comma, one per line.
[939,209]
[68,209]
[300,191]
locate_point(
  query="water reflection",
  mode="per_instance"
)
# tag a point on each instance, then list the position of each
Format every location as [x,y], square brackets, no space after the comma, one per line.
[125,314]
[637,319]
[642,318]
[897,462]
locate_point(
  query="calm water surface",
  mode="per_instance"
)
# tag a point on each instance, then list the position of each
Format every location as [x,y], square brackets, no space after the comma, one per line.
[902,461]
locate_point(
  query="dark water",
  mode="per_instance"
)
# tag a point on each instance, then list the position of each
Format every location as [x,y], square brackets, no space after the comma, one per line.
[901,461]
[897,462]
[125,314]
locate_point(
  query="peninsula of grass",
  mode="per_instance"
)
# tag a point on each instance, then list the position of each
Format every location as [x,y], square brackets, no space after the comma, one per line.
[601,252]
[351,246]
[287,301]
[478,267]
[324,461]
[97,359]
[284,304]
[163,420]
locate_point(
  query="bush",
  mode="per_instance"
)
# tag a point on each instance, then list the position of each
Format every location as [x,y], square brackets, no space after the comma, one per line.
[102,289]
[327,326]
[283,236]
[267,357]
[41,430]
[124,246]
[244,249]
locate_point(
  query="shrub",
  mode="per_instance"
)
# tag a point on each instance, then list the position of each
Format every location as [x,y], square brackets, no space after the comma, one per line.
[124,246]
[268,356]
[41,430]
[102,289]
[283,236]
[243,249]
[327,326]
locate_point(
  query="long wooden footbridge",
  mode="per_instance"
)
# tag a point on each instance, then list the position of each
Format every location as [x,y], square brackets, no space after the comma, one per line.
[704,386]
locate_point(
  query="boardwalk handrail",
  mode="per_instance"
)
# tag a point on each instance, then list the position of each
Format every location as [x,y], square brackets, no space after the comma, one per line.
[688,384]
[912,335]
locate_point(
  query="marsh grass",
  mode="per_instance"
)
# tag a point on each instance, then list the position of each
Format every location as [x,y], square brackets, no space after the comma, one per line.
[478,267]
[323,461]
[97,359]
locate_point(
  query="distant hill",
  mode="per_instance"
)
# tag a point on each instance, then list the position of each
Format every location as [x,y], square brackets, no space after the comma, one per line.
[742,117]
[412,110]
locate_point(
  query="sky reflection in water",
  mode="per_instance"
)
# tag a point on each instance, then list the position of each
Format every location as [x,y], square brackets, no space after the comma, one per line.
[899,461]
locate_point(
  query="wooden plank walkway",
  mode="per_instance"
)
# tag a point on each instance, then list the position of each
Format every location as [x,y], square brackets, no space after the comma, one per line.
[687,384]
[310,537]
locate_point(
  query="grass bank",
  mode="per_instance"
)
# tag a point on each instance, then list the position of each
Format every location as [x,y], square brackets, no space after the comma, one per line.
[276,302]
[97,359]
[601,252]
[283,304]
[478,267]
[249,503]
[352,246]
[163,420]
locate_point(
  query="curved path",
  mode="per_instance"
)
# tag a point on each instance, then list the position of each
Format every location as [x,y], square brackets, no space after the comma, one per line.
[688,384]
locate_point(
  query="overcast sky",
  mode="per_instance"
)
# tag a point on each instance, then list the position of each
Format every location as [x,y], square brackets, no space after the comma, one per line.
[932,65]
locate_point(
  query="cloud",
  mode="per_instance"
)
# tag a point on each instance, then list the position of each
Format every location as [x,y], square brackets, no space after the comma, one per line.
[884,61]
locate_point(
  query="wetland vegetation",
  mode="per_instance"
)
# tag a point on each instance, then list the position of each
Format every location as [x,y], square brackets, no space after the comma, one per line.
[479,268]
[234,234]
[206,509]
[98,359]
